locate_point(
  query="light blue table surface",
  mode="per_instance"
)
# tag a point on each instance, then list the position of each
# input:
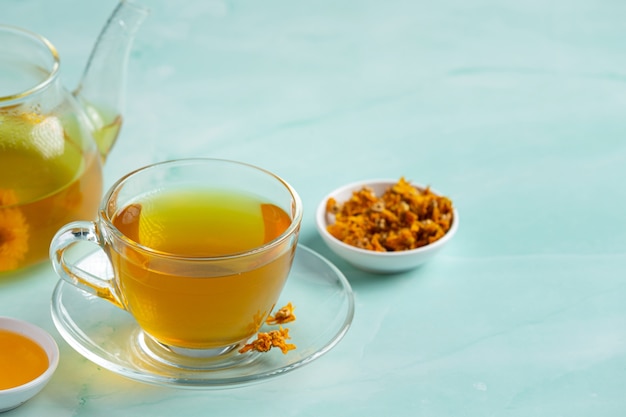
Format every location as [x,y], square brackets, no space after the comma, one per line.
[514,109]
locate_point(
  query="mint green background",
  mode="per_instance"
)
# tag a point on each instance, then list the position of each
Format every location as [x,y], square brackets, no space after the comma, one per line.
[514,109]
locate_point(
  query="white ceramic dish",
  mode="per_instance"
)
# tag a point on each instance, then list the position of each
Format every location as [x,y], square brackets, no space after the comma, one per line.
[371,261]
[14,397]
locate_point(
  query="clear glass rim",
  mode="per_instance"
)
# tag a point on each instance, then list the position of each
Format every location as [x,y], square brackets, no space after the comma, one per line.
[41,41]
[114,189]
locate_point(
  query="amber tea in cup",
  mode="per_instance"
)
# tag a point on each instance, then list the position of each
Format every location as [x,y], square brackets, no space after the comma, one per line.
[200,251]
[197,223]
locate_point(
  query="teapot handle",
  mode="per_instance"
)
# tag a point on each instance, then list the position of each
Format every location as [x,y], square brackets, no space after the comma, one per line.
[67,264]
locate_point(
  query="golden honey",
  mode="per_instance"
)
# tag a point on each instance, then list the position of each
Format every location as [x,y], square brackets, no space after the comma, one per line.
[21,360]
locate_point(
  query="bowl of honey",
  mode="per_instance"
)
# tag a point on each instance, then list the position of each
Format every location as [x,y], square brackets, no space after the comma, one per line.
[28,358]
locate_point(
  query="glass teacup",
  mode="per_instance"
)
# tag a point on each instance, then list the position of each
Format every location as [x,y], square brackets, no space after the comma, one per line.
[200,250]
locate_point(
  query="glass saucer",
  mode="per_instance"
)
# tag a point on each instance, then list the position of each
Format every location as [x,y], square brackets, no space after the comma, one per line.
[105,334]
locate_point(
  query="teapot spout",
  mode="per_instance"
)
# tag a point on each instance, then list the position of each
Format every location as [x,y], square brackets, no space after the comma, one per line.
[103,84]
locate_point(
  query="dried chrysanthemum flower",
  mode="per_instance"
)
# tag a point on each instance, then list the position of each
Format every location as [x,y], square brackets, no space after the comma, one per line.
[283,315]
[267,340]
[403,218]
[275,338]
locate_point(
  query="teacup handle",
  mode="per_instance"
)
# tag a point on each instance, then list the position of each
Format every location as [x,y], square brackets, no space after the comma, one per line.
[68,237]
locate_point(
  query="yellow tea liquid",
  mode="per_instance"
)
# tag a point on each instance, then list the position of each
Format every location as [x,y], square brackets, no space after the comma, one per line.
[46,181]
[21,360]
[200,304]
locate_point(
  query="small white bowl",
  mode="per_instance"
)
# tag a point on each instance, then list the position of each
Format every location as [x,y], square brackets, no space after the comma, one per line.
[13,397]
[372,261]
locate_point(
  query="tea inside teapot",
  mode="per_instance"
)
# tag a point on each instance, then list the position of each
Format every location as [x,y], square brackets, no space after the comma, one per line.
[46,179]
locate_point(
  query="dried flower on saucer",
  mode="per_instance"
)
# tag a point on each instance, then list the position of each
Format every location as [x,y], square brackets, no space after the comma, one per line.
[282,316]
[267,340]
[275,338]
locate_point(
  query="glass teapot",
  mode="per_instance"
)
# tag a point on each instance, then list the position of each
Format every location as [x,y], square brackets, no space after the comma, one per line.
[53,142]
